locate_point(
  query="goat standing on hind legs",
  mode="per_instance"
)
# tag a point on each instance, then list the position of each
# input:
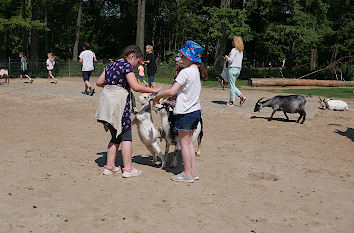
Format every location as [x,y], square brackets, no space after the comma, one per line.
[170,134]
[287,104]
[149,136]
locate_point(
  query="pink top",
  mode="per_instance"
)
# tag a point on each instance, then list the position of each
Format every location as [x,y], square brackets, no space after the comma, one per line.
[141,70]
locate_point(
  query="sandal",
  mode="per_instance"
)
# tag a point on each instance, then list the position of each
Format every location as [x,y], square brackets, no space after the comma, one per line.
[131,172]
[107,171]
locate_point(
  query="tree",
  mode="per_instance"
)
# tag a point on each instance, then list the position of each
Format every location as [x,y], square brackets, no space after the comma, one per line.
[140,29]
[77,33]
[221,42]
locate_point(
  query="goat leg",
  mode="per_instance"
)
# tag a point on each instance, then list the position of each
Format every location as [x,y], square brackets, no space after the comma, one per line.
[150,148]
[157,151]
[175,153]
[286,115]
[271,116]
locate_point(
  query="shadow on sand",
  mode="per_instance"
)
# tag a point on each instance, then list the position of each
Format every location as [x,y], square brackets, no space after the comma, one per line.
[274,119]
[221,102]
[349,133]
[143,160]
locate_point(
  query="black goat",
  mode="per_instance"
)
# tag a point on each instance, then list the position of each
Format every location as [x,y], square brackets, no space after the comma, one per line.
[287,104]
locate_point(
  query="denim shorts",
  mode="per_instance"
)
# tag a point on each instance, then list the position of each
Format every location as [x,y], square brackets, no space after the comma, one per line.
[86,75]
[125,135]
[141,78]
[189,121]
[151,79]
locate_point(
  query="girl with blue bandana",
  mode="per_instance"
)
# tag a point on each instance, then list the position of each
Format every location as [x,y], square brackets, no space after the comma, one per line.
[187,111]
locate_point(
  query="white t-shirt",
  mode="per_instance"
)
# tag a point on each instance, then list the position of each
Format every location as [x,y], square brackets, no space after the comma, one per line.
[235,58]
[87,57]
[188,96]
[50,64]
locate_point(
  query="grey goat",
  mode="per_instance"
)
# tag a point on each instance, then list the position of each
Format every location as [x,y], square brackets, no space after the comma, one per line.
[287,104]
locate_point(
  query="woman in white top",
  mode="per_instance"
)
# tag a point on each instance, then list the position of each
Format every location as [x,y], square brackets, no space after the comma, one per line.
[187,112]
[235,64]
[50,66]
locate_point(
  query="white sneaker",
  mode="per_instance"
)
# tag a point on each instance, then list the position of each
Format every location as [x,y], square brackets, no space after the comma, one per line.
[195,176]
[131,172]
[183,178]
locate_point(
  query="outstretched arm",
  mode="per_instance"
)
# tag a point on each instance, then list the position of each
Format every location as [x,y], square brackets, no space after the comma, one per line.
[167,93]
[136,86]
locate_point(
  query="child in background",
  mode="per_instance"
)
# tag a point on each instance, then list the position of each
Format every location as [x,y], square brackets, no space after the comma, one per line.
[23,68]
[50,66]
[187,87]
[141,72]
[151,65]
[114,108]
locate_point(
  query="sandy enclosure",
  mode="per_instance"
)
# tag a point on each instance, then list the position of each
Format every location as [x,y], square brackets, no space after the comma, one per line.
[256,176]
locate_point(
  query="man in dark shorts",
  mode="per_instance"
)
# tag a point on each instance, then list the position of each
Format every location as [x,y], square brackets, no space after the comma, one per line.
[87,57]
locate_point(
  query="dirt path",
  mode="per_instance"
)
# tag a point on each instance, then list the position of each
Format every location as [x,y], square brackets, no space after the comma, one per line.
[256,176]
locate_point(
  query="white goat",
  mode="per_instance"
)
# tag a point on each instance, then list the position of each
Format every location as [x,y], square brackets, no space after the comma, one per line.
[146,129]
[331,104]
[170,134]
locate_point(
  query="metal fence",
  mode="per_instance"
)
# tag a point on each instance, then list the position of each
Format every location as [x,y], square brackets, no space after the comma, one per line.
[38,68]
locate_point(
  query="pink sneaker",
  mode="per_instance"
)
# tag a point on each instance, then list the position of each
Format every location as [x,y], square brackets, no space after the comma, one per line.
[131,172]
[107,171]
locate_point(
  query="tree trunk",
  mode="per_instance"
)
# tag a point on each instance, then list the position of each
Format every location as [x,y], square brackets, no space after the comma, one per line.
[289,60]
[24,33]
[266,82]
[221,42]
[142,25]
[46,24]
[34,32]
[313,59]
[138,22]
[77,34]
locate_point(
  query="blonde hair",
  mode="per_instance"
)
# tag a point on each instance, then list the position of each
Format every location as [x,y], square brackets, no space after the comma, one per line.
[238,43]
[150,47]
[50,57]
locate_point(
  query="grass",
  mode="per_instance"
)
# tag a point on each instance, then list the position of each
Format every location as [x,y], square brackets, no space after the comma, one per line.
[347,93]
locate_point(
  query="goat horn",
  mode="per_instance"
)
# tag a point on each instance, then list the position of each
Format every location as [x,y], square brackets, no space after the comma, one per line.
[260,99]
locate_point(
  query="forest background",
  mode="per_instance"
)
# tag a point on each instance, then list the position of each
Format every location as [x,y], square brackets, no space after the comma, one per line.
[309,34]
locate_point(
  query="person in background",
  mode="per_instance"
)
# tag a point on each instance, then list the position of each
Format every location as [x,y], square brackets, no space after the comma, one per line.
[151,65]
[23,68]
[50,66]
[235,64]
[87,57]
[141,73]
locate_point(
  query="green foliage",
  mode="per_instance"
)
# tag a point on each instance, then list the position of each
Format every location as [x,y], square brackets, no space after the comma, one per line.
[347,93]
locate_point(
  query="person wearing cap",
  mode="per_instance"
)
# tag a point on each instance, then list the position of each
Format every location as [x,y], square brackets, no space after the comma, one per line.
[235,64]
[187,111]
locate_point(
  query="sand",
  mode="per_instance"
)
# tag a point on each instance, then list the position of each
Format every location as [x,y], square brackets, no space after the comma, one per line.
[255,175]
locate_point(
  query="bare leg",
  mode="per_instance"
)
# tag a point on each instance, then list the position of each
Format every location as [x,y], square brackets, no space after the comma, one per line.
[111,155]
[188,152]
[127,154]
[87,85]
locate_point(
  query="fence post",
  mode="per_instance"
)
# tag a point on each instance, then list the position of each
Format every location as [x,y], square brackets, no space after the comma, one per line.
[69,68]
[9,66]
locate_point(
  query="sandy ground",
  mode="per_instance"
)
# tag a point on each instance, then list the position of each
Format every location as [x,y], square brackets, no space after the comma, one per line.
[256,176]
